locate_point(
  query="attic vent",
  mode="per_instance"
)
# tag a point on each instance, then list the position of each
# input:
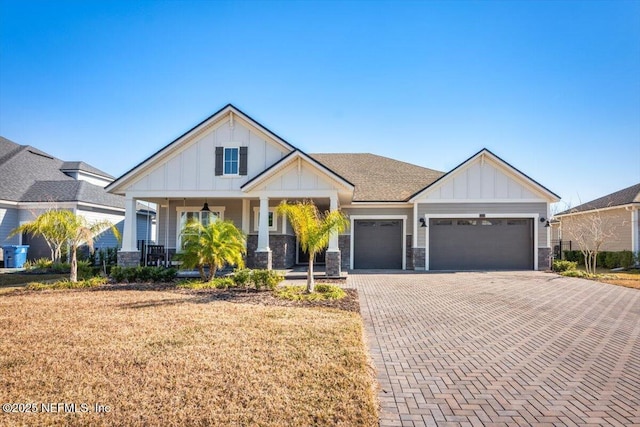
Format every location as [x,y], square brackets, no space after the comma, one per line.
[40,154]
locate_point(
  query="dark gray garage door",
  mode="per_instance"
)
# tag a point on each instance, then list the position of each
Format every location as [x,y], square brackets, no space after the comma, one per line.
[377,244]
[481,244]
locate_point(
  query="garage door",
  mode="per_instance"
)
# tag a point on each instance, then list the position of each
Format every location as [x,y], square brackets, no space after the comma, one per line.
[377,244]
[481,244]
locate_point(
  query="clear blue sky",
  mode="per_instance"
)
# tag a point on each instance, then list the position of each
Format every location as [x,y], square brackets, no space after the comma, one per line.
[552,87]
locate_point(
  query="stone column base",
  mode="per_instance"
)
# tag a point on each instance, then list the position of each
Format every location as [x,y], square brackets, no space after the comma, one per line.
[128,259]
[263,260]
[333,262]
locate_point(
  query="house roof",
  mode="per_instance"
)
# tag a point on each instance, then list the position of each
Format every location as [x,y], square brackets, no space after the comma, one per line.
[31,175]
[377,178]
[623,197]
[84,167]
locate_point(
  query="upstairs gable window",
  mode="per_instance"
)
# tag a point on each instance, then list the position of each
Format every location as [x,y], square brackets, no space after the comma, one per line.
[231,158]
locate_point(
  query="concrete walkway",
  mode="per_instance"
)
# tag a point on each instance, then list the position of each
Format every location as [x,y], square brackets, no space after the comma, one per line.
[502,348]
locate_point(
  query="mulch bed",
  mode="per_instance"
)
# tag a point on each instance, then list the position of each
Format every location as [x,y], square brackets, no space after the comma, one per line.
[237,295]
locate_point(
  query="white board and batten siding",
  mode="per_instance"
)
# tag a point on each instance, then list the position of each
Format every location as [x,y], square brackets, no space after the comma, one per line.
[485,186]
[192,166]
[299,175]
[481,180]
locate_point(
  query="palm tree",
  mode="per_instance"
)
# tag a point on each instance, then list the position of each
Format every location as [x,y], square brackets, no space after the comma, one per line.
[313,229]
[60,227]
[214,245]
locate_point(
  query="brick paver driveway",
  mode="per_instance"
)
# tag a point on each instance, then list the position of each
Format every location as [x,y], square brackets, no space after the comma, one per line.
[516,348]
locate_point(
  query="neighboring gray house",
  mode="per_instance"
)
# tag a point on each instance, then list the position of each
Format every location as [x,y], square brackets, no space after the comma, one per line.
[483,214]
[32,181]
[616,212]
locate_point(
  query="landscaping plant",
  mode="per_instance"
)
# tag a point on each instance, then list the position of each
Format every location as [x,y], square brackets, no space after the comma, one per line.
[213,245]
[313,229]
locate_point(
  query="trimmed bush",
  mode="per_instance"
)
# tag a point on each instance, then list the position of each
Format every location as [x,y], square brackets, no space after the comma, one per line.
[216,283]
[605,259]
[560,266]
[142,274]
[242,277]
[66,284]
[269,279]
[299,293]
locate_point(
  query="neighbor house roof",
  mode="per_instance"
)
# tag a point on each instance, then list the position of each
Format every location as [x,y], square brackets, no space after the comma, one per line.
[31,175]
[377,178]
[623,197]
[84,167]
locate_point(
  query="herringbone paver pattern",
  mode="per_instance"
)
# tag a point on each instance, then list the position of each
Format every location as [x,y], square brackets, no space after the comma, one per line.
[505,348]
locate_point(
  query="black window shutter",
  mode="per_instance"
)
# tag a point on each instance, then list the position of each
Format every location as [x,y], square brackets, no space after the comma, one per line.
[219,160]
[243,160]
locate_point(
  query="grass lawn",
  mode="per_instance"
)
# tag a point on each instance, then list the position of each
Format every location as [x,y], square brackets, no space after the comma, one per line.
[172,359]
[630,280]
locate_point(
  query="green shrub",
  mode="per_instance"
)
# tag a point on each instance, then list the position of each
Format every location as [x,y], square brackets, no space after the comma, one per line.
[574,256]
[38,264]
[298,293]
[269,279]
[242,277]
[330,291]
[217,283]
[576,273]
[142,274]
[560,266]
[66,284]
[61,267]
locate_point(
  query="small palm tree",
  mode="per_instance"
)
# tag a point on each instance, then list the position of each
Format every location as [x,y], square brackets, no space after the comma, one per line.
[59,227]
[313,229]
[215,245]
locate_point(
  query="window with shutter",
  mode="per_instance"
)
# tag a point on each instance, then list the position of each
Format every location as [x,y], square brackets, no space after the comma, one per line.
[231,161]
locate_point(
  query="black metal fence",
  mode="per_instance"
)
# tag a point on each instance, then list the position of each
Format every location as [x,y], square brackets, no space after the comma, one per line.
[559,246]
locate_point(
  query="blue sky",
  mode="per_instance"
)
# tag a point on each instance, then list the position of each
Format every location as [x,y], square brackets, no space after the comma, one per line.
[552,87]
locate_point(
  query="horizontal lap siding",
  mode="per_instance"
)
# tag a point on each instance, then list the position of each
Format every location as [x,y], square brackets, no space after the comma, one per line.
[454,209]
[8,221]
[615,221]
[106,239]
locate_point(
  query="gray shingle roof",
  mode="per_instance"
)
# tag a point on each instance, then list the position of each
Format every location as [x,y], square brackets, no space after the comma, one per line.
[377,178]
[625,196]
[31,175]
[84,167]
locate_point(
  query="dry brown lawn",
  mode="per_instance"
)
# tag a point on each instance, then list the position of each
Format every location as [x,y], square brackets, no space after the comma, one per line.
[176,359]
[630,280]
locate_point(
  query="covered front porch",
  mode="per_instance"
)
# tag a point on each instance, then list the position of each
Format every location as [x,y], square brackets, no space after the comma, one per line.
[271,242]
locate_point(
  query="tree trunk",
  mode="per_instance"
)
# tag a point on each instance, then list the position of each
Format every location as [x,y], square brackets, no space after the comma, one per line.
[310,283]
[74,265]
[212,273]
[203,276]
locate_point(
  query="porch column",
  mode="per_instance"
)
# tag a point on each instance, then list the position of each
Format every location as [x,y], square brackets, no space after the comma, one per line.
[263,253]
[129,255]
[333,259]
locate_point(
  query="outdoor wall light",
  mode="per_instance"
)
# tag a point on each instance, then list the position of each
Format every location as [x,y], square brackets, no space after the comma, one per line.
[423,222]
[542,219]
[205,208]
[547,224]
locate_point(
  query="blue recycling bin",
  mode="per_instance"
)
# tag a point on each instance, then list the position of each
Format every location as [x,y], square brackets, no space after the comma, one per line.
[15,255]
